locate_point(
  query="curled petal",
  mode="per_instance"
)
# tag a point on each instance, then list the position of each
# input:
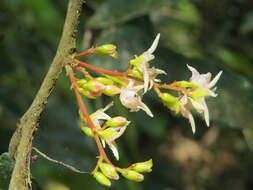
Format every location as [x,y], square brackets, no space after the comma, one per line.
[145,108]
[154,44]
[113,147]
[192,122]
[215,80]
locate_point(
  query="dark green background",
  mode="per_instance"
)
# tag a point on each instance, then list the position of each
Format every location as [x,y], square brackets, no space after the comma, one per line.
[210,35]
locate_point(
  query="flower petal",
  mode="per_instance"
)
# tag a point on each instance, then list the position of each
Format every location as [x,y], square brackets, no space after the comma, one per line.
[192,122]
[113,147]
[195,73]
[154,44]
[145,108]
[215,80]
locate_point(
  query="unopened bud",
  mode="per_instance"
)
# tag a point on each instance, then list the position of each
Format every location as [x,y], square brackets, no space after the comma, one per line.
[94,86]
[109,171]
[132,175]
[137,61]
[143,166]
[170,101]
[81,82]
[111,90]
[102,179]
[104,80]
[166,97]
[186,84]
[107,49]
[107,133]
[117,122]
[86,93]
[136,73]
[198,93]
[87,131]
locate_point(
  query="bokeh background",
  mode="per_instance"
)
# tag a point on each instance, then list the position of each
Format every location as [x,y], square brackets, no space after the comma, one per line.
[210,35]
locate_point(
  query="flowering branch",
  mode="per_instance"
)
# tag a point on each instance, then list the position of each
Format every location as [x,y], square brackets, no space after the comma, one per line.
[131,85]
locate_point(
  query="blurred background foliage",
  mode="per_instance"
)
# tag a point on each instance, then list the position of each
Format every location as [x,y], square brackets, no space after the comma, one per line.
[209,35]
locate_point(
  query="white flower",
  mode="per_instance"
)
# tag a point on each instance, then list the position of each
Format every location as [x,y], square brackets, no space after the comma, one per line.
[100,116]
[205,87]
[130,98]
[204,80]
[187,104]
[148,73]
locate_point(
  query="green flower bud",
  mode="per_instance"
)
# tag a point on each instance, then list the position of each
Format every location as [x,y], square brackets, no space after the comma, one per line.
[166,97]
[86,93]
[143,166]
[117,122]
[109,171]
[107,133]
[170,101]
[102,179]
[87,131]
[132,175]
[186,84]
[111,90]
[137,61]
[136,73]
[198,93]
[104,80]
[82,82]
[107,49]
[94,86]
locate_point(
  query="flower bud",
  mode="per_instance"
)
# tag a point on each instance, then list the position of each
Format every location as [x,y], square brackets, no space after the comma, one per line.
[107,133]
[186,84]
[166,97]
[198,93]
[109,171]
[107,49]
[117,122]
[137,61]
[143,166]
[86,93]
[81,82]
[111,90]
[132,175]
[87,131]
[102,179]
[136,73]
[94,86]
[104,80]
[170,101]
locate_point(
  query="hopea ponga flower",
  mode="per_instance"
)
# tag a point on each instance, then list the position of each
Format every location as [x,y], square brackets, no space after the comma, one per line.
[108,135]
[142,64]
[196,97]
[204,81]
[130,98]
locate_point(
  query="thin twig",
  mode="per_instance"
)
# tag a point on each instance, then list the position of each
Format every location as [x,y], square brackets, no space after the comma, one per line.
[59,162]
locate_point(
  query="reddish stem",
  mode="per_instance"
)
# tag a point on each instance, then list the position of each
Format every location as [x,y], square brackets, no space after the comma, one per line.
[101,70]
[81,70]
[171,86]
[85,112]
[88,52]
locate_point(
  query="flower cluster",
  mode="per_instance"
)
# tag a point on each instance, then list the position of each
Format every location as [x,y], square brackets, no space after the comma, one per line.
[131,86]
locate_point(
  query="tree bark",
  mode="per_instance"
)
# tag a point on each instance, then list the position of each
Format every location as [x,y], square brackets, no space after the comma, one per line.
[21,142]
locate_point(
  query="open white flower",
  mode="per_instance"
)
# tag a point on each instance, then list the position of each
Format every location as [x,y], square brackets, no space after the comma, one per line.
[149,74]
[196,99]
[204,81]
[187,104]
[130,98]
[100,116]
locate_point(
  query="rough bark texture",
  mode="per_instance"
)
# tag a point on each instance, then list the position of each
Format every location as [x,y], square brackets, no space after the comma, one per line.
[21,142]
